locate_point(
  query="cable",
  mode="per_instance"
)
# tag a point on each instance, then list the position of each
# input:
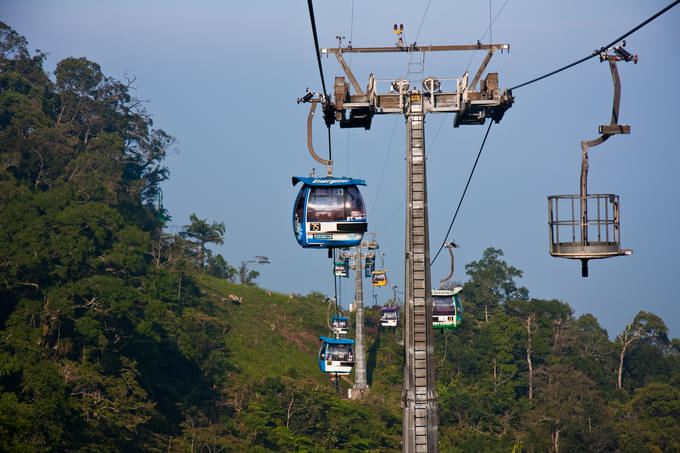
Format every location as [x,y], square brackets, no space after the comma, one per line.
[351,34]
[463,195]
[335,285]
[490,22]
[318,60]
[601,49]
[382,174]
[422,21]
[316,45]
[488,30]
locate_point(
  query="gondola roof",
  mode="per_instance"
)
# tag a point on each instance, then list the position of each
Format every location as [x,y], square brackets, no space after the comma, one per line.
[447,292]
[336,340]
[329,181]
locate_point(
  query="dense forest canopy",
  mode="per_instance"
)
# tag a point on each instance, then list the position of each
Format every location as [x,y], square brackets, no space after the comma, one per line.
[118,336]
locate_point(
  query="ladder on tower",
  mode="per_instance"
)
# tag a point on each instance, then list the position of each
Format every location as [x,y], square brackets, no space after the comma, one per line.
[420,399]
[416,67]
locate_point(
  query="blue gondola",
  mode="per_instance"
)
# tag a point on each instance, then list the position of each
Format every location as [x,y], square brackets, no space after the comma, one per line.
[329,212]
[336,356]
[389,316]
[447,310]
[339,325]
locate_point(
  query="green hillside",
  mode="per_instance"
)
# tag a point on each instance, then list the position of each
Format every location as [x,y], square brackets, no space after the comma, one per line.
[270,334]
[273,341]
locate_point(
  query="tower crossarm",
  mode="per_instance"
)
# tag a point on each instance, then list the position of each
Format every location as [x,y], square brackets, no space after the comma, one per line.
[471,105]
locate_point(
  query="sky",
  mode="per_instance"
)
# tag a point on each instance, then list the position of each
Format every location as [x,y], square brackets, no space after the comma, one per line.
[223,77]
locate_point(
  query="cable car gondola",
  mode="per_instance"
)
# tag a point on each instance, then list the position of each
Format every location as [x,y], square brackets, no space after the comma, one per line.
[336,356]
[341,268]
[339,325]
[447,310]
[369,266]
[389,316]
[379,278]
[329,212]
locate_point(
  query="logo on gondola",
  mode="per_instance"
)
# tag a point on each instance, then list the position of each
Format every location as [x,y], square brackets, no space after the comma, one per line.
[330,181]
[314,227]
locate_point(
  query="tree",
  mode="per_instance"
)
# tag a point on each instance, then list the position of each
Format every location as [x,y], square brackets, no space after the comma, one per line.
[564,396]
[247,276]
[203,233]
[646,328]
[218,267]
[588,338]
[649,421]
[654,330]
[492,281]
[631,334]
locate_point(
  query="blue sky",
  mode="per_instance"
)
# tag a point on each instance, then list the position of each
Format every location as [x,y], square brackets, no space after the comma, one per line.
[223,77]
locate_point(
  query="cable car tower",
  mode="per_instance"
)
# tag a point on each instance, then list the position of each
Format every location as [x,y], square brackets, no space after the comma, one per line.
[587,227]
[360,387]
[470,106]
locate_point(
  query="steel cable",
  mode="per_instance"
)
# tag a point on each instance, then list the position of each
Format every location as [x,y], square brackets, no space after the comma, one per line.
[472,172]
[600,50]
[318,60]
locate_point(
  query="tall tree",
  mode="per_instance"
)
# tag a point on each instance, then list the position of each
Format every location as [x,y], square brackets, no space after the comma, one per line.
[630,335]
[203,232]
[646,328]
[492,282]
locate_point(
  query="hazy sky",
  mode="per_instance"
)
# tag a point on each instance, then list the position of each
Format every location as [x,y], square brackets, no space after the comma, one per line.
[223,76]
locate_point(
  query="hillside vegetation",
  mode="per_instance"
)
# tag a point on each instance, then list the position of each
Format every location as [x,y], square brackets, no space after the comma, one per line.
[116,335]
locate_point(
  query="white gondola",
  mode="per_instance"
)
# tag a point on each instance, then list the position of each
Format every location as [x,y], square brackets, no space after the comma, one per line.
[336,356]
[339,325]
[447,310]
[389,316]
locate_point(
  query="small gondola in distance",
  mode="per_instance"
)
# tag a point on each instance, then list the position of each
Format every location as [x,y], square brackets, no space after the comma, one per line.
[379,278]
[329,212]
[447,309]
[336,355]
[339,325]
[341,268]
[389,316]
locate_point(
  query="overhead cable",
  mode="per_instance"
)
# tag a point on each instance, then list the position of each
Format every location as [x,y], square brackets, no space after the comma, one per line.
[472,172]
[382,174]
[316,45]
[600,50]
[488,30]
[318,60]
[422,21]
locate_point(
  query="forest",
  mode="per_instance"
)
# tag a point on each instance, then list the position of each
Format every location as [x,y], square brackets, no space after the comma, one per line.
[116,335]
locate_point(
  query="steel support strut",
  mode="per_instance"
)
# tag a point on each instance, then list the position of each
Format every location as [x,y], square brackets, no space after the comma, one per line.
[420,422]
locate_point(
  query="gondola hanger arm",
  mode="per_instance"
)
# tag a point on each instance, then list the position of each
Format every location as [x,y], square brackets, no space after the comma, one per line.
[449,246]
[613,127]
[327,162]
